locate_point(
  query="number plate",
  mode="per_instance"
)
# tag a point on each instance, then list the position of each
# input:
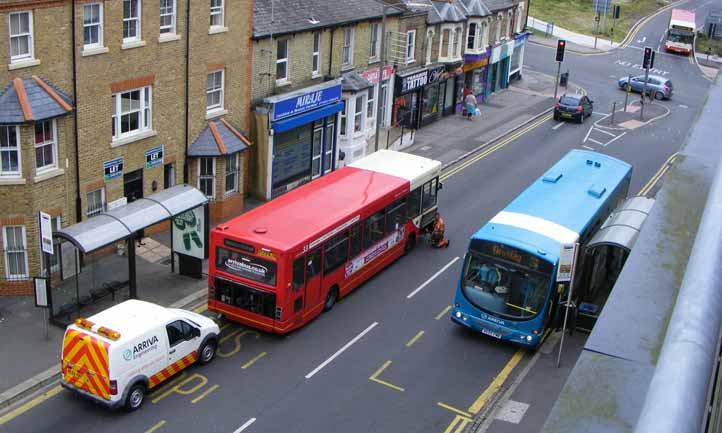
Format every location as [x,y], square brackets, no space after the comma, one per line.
[79,377]
[490,333]
[566,115]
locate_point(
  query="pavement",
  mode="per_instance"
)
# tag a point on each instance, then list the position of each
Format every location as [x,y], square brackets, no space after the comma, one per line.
[449,139]
[578,40]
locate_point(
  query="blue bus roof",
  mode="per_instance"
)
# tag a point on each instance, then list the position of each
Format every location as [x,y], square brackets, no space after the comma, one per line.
[558,206]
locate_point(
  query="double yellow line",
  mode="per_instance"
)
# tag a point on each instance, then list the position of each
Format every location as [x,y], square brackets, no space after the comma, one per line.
[657,176]
[496,146]
[630,37]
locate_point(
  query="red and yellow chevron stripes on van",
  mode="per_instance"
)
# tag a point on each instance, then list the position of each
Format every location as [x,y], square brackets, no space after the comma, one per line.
[85,363]
[173,369]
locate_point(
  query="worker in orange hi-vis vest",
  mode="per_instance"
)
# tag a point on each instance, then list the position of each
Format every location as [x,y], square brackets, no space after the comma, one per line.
[437,233]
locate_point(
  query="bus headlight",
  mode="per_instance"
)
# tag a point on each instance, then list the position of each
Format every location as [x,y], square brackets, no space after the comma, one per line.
[458,314]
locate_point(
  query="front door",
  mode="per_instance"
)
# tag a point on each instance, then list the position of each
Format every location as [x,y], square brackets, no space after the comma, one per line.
[133,185]
[182,340]
[313,279]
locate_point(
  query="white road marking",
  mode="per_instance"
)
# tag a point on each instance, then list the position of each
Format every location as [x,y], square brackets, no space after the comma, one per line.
[615,139]
[595,141]
[600,114]
[343,349]
[588,132]
[641,41]
[245,426]
[587,147]
[683,106]
[411,295]
[558,126]
[605,132]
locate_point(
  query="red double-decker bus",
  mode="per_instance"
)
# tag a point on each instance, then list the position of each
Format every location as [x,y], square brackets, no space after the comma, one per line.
[280,265]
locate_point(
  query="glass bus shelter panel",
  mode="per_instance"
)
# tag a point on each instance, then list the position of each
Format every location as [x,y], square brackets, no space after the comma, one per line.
[95,233]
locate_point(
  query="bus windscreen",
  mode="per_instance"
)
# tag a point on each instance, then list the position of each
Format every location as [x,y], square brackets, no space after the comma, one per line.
[246,266]
[511,284]
[680,36]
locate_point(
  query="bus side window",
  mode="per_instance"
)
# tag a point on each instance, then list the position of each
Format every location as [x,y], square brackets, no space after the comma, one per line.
[396,216]
[355,235]
[414,202]
[298,273]
[313,264]
[429,199]
[336,252]
[374,229]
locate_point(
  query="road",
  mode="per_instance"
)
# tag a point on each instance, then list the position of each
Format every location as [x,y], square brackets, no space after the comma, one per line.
[405,367]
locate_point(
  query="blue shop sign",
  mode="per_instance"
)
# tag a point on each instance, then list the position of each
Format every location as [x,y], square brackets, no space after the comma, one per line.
[306,102]
[112,168]
[521,39]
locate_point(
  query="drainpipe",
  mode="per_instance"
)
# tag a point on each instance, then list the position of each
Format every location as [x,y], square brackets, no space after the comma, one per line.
[330,51]
[187,84]
[78,204]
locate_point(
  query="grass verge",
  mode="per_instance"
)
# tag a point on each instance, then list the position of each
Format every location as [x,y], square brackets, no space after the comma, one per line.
[704,44]
[578,15]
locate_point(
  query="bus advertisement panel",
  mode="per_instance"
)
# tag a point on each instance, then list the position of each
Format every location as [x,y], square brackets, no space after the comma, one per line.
[507,288]
[280,265]
[680,32]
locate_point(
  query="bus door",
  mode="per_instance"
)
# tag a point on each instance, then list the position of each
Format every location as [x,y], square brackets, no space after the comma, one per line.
[312,293]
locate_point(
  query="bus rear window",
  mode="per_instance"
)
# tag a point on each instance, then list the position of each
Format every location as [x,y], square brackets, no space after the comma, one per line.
[246,266]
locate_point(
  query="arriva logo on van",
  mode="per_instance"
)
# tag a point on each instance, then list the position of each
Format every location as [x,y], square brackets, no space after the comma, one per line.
[144,347]
[127,354]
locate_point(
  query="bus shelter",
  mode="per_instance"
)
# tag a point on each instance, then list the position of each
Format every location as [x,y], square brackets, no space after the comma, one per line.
[114,233]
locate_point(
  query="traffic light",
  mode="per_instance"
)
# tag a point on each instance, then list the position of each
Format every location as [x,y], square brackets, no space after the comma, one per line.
[561,44]
[647,58]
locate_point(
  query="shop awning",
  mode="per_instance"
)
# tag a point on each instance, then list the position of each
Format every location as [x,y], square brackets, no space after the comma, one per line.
[122,222]
[302,119]
[623,225]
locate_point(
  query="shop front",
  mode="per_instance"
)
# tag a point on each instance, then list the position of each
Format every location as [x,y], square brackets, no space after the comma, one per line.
[296,137]
[474,77]
[499,67]
[516,61]
[408,93]
[439,94]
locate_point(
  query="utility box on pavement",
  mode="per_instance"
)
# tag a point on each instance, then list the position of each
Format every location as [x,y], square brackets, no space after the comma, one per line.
[564,79]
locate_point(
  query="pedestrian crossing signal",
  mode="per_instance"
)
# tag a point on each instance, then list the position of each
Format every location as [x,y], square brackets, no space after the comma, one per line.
[561,45]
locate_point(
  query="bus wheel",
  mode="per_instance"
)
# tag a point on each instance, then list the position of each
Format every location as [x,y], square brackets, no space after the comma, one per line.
[331,298]
[135,397]
[410,243]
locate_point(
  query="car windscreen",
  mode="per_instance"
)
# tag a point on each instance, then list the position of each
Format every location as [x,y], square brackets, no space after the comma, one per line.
[246,266]
[569,100]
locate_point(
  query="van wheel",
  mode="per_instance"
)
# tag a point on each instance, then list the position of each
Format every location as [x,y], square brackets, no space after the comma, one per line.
[135,397]
[331,298]
[410,243]
[207,352]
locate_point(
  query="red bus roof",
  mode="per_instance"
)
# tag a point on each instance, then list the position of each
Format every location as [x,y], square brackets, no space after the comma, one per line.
[311,210]
[683,15]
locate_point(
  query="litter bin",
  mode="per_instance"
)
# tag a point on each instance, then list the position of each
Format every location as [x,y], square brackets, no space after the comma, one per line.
[564,79]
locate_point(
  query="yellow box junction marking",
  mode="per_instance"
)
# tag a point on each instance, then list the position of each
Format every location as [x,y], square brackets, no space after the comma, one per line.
[455,410]
[497,382]
[374,377]
[440,315]
[29,405]
[205,393]
[156,427]
[257,357]
[415,339]
[457,425]
[178,388]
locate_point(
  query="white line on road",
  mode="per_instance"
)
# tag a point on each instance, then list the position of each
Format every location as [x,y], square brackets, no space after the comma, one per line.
[604,132]
[587,147]
[558,126]
[641,41]
[595,141]
[588,132]
[600,114]
[341,350]
[244,426]
[616,138]
[411,295]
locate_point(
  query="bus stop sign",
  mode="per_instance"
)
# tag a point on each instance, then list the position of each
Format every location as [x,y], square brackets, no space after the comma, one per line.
[566,263]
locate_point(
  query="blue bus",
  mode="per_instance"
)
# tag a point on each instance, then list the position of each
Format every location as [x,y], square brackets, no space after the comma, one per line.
[507,288]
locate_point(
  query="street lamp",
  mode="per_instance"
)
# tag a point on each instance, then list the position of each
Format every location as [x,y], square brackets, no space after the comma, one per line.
[382,63]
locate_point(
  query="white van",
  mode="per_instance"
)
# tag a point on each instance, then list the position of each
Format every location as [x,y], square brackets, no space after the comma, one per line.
[116,356]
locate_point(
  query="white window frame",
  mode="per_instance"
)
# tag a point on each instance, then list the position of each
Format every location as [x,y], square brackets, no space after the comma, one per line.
[96,210]
[484,34]
[371,103]
[410,46]
[499,22]
[31,40]
[347,48]
[457,44]
[170,29]
[375,42]
[146,112]
[519,13]
[475,42]
[429,45]
[211,176]
[137,19]
[24,252]
[16,149]
[343,119]
[453,45]
[316,54]
[282,60]
[53,143]
[234,173]
[220,90]
[218,11]
[359,102]
[98,24]
[508,27]
[383,90]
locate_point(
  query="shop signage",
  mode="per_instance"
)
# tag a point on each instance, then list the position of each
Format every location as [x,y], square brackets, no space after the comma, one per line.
[476,64]
[372,75]
[414,81]
[112,169]
[521,39]
[301,103]
[507,49]
[154,156]
[437,74]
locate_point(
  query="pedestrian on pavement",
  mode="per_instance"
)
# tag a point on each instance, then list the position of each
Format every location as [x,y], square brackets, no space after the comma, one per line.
[470,102]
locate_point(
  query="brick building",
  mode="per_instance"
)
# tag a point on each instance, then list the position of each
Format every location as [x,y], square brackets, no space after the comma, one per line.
[104,102]
[316,87]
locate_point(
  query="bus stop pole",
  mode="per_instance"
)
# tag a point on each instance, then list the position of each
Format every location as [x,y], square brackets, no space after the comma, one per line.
[569,300]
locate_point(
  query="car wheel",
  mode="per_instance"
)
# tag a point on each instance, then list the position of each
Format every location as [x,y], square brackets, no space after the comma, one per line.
[207,352]
[658,96]
[331,298]
[135,397]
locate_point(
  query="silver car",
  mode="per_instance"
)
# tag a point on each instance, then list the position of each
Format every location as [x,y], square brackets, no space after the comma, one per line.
[658,87]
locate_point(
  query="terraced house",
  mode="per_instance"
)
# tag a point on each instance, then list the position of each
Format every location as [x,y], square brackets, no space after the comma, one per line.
[316,87]
[105,102]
